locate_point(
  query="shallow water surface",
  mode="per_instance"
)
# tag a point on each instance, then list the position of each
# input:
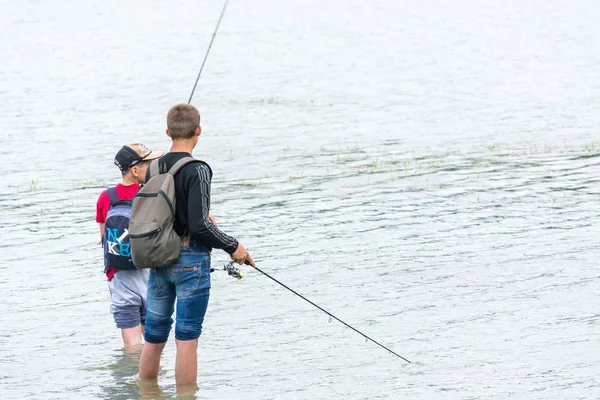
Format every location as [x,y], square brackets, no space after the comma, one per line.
[426,171]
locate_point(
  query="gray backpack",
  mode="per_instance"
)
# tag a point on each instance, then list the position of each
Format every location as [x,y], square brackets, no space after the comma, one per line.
[154,242]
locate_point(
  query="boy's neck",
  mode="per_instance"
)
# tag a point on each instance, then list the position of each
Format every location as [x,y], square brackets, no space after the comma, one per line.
[127,182]
[183,146]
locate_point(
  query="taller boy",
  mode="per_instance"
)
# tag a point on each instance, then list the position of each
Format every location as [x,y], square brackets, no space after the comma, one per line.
[188,279]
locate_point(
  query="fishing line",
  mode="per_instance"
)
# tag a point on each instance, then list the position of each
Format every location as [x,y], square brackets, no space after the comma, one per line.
[367,338]
[208,51]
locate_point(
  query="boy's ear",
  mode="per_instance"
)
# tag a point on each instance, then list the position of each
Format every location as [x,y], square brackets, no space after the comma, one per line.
[198,130]
[167,132]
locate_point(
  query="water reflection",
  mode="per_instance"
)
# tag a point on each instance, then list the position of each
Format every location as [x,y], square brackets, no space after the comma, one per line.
[123,370]
[124,382]
[149,389]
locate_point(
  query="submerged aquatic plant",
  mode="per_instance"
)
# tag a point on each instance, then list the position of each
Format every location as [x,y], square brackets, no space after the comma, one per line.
[267,100]
[591,148]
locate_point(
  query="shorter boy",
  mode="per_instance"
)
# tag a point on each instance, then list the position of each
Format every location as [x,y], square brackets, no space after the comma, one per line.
[128,286]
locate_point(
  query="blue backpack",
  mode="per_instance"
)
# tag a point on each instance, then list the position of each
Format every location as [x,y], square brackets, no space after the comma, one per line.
[117,249]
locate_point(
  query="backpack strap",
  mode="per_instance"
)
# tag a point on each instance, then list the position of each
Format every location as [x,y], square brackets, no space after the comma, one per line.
[154,168]
[112,194]
[180,164]
[114,198]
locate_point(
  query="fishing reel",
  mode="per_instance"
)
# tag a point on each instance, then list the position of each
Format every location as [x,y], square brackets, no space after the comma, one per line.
[232,270]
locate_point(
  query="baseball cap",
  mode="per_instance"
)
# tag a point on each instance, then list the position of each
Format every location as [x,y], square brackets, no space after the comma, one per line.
[133,153]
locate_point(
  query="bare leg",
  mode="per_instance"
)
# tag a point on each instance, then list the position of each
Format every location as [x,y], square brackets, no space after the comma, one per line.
[132,337]
[150,360]
[186,362]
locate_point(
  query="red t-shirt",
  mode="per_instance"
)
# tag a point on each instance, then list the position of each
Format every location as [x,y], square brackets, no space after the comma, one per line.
[124,193]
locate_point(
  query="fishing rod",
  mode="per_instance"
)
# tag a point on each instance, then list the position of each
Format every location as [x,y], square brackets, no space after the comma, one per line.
[238,274]
[208,51]
[230,267]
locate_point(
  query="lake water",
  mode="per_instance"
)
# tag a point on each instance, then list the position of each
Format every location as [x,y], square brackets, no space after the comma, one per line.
[427,171]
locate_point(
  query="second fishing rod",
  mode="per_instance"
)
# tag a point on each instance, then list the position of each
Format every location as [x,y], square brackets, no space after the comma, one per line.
[208,50]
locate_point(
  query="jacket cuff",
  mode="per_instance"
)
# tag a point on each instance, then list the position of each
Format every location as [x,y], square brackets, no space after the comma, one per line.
[231,249]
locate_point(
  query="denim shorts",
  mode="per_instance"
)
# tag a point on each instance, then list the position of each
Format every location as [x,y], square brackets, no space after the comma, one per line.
[188,281]
[128,297]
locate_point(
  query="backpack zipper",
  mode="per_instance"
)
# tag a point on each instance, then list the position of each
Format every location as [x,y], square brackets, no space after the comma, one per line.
[168,202]
[141,235]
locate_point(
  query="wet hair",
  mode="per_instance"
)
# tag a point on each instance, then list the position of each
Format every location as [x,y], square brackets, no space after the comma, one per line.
[182,121]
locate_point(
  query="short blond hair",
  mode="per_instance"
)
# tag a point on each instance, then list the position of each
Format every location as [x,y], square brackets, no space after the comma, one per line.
[182,121]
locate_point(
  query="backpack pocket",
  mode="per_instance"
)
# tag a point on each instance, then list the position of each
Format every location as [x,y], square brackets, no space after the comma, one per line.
[148,244]
[143,238]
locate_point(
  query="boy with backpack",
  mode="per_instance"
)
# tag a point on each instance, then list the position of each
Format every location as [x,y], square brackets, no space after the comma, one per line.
[172,234]
[127,285]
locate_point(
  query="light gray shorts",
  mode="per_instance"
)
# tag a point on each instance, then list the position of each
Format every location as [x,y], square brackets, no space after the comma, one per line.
[128,294]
